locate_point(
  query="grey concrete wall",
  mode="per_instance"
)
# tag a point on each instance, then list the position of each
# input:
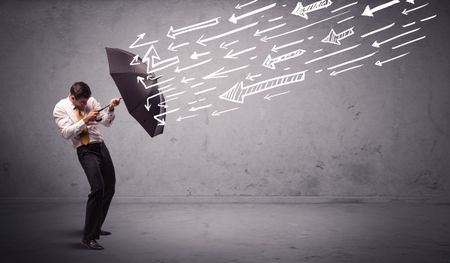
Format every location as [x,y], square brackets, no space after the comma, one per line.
[372,131]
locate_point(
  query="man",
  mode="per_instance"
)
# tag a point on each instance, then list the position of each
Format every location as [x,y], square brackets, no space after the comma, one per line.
[78,118]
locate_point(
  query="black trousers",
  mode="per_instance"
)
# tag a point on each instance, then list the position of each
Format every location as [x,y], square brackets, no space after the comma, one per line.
[99,170]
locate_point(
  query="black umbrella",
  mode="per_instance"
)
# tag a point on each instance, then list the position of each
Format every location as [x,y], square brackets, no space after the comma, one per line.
[128,79]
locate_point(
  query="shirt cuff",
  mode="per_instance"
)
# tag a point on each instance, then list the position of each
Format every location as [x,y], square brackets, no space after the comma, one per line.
[80,125]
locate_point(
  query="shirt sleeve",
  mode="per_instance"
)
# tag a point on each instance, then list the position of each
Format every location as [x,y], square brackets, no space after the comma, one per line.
[67,127]
[106,115]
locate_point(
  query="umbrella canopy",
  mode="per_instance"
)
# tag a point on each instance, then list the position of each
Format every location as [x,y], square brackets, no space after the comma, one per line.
[133,92]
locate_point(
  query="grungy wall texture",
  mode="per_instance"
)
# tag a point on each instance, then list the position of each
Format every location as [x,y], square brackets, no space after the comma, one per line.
[368,131]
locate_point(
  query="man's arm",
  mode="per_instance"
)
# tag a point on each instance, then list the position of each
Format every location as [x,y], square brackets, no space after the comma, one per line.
[66,126]
[107,115]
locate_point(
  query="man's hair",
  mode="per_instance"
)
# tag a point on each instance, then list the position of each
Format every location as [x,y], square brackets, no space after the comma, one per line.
[80,90]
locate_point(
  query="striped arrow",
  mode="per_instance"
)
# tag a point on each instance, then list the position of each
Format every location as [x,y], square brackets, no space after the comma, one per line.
[270,62]
[238,92]
[302,11]
[334,38]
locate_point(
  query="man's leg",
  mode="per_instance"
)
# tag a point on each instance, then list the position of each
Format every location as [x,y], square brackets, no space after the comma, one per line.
[109,179]
[90,161]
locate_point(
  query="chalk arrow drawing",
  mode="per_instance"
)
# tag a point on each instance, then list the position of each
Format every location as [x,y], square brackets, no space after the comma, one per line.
[202,40]
[334,38]
[186,117]
[178,69]
[199,108]
[270,62]
[225,45]
[196,55]
[154,64]
[186,80]
[161,121]
[135,61]
[252,77]
[302,11]
[234,18]
[222,74]
[239,6]
[378,44]
[259,32]
[410,1]
[148,105]
[369,11]
[174,48]
[139,37]
[234,55]
[175,32]
[276,48]
[266,38]
[406,12]
[269,97]
[380,63]
[238,92]
[218,113]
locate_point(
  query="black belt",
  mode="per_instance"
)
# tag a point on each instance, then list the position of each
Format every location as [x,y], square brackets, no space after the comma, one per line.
[93,146]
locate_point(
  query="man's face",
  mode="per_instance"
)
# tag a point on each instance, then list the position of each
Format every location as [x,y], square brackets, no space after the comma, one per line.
[79,103]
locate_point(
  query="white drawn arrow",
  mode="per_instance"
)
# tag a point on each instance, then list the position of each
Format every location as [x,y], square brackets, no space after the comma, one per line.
[259,32]
[302,11]
[221,74]
[334,38]
[141,79]
[156,61]
[369,11]
[162,120]
[335,73]
[202,41]
[380,63]
[270,62]
[175,32]
[178,69]
[139,37]
[196,55]
[234,18]
[135,61]
[276,48]
[199,108]
[252,77]
[218,113]
[269,97]
[234,55]
[266,38]
[378,44]
[186,117]
[174,48]
[225,45]
[406,12]
[410,1]
[239,6]
[238,92]
[186,80]
[148,105]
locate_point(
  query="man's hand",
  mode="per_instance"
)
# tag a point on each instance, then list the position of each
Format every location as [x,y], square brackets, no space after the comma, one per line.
[90,116]
[113,103]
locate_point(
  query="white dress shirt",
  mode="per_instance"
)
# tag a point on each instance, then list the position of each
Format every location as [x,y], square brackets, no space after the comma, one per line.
[65,116]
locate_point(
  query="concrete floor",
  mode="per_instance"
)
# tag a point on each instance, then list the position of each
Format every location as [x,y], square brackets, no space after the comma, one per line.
[380,232]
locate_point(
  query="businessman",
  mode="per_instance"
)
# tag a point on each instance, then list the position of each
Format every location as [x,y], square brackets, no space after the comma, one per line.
[78,117]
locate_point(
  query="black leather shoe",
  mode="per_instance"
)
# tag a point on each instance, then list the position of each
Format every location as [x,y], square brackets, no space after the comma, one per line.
[105,233]
[92,244]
